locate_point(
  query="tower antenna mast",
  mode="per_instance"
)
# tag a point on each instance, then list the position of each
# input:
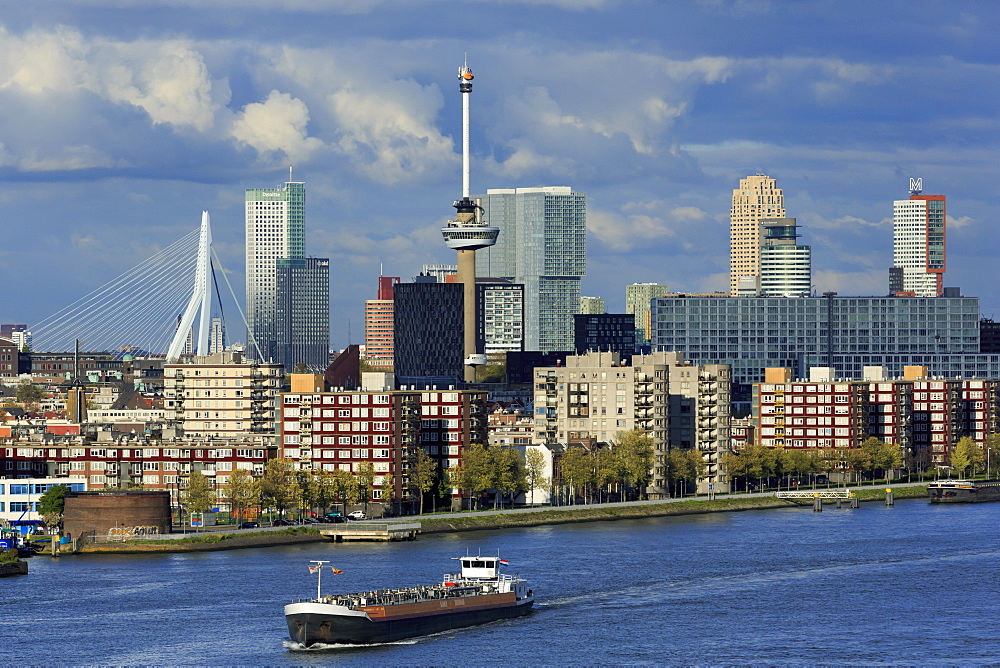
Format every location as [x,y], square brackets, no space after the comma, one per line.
[466,234]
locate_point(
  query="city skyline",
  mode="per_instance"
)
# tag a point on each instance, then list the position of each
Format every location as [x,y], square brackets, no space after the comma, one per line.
[112,143]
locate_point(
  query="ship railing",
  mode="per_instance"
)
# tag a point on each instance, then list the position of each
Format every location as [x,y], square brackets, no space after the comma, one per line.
[408,595]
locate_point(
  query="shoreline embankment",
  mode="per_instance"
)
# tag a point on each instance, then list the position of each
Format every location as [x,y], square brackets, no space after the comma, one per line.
[455,522]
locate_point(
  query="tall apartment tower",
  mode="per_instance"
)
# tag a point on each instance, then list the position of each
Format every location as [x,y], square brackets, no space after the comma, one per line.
[275,228]
[785,265]
[379,323]
[757,197]
[637,300]
[543,247]
[918,243]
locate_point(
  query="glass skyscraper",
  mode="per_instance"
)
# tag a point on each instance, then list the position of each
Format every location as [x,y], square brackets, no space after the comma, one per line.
[302,313]
[275,230]
[543,246]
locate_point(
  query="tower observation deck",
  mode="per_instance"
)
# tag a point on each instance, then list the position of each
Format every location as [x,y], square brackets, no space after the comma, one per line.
[467,233]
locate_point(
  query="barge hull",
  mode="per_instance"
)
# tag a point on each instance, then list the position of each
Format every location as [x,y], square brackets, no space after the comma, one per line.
[311,628]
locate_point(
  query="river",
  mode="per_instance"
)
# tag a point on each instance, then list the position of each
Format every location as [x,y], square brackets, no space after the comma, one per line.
[913,584]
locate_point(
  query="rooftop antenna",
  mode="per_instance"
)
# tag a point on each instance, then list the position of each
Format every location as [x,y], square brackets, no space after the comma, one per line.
[289,173]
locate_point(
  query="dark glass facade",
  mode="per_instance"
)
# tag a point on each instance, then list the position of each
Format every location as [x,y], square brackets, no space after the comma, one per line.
[428,325]
[302,313]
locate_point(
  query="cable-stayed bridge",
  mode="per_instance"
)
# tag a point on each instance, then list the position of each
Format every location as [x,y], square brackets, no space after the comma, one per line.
[139,309]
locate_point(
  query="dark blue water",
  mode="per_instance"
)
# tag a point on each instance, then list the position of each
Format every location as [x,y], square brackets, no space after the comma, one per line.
[914,584]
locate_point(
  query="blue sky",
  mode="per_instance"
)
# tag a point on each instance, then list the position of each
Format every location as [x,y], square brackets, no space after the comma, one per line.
[124,119]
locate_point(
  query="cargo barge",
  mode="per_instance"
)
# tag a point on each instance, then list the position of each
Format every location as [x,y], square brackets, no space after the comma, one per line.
[478,594]
[964,491]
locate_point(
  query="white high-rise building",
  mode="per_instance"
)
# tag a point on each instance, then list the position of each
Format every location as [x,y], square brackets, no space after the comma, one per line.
[918,244]
[785,266]
[275,228]
[755,199]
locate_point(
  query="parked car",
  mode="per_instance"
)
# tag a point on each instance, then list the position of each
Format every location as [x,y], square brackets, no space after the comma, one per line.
[250,525]
[336,519]
[357,515]
[282,523]
[310,520]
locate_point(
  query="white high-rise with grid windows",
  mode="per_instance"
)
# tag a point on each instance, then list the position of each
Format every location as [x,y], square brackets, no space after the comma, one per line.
[275,228]
[918,244]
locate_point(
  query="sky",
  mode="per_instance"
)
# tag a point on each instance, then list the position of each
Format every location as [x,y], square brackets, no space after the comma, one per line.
[124,119]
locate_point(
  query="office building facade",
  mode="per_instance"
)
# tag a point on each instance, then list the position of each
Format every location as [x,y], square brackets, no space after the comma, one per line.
[606,332]
[757,198]
[542,246]
[275,228]
[428,326]
[845,333]
[302,313]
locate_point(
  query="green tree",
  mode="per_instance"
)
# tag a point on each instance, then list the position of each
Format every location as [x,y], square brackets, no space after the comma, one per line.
[857,460]
[300,367]
[758,462]
[491,373]
[365,479]
[735,466]
[534,471]
[606,471]
[388,494]
[575,470]
[991,450]
[472,476]
[801,462]
[199,495]
[634,451]
[278,486]
[52,504]
[344,488]
[506,472]
[241,492]
[966,454]
[306,483]
[322,490]
[424,474]
[685,465]
[28,393]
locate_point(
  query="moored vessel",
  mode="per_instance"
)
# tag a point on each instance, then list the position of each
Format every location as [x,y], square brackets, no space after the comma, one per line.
[964,491]
[477,594]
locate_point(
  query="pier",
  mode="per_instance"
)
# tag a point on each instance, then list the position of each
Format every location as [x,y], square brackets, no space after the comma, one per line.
[385,531]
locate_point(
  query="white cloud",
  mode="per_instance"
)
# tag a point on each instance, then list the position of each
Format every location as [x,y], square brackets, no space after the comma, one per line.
[69,158]
[639,223]
[390,131]
[167,79]
[278,124]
